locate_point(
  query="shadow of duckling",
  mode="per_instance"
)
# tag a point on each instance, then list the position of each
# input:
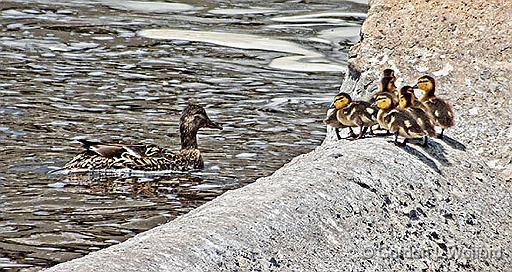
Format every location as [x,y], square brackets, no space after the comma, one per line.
[454,143]
[437,151]
[424,159]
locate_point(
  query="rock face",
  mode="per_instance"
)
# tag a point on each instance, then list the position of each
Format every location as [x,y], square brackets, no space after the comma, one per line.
[466,46]
[367,204]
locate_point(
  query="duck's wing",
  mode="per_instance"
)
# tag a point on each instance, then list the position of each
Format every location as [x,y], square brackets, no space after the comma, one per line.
[441,111]
[405,124]
[362,113]
[112,150]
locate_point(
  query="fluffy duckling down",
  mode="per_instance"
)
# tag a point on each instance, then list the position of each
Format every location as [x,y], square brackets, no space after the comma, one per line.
[395,120]
[408,103]
[440,110]
[350,113]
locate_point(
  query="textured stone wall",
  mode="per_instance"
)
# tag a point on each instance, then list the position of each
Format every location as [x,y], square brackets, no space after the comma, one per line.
[367,204]
[466,46]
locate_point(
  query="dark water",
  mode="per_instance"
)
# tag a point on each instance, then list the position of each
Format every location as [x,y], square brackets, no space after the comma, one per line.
[83,68]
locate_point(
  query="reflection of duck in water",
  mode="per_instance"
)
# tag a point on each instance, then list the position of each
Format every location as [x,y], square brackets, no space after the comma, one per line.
[149,157]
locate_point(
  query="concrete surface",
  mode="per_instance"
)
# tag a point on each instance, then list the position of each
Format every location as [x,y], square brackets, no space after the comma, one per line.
[367,204]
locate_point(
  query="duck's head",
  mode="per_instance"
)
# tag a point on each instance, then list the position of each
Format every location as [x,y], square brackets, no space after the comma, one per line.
[192,119]
[387,84]
[406,97]
[426,83]
[341,100]
[384,101]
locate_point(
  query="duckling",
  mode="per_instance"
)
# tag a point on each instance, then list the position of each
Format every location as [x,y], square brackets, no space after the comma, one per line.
[332,120]
[439,109]
[387,85]
[395,120]
[149,157]
[408,102]
[354,114]
[389,73]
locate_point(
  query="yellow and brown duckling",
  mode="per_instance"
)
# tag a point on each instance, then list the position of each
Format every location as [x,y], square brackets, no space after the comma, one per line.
[387,85]
[395,120]
[98,155]
[408,102]
[350,113]
[439,109]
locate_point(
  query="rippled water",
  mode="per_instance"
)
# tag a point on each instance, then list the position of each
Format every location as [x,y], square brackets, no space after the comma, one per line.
[123,70]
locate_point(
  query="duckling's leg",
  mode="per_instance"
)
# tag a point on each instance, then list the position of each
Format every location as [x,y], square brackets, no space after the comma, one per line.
[440,135]
[337,130]
[362,132]
[425,141]
[352,134]
[398,143]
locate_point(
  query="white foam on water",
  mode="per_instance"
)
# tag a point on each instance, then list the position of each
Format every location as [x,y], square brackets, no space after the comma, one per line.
[327,17]
[306,61]
[149,7]
[240,11]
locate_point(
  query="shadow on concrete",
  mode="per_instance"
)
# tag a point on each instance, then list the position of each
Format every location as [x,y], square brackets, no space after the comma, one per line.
[424,159]
[454,143]
[437,151]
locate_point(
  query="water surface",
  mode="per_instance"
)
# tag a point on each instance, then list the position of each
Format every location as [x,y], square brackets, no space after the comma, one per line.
[265,70]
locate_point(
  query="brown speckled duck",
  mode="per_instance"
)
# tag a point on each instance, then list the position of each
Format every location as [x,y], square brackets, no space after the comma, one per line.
[439,109]
[99,155]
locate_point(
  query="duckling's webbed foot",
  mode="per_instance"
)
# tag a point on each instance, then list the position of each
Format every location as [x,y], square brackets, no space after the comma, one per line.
[441,135]
[397,143]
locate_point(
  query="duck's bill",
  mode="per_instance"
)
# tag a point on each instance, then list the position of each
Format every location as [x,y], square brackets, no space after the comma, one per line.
[211,124]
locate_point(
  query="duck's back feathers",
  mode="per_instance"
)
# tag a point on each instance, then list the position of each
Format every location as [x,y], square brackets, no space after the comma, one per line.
[403,123]
[441,111]
[361,113]
[138,157]
[423,119]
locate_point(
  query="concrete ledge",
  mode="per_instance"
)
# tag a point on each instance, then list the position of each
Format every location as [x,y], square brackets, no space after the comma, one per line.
[363,205]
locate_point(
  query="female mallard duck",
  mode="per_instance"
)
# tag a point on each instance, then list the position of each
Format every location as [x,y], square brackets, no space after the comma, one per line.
[149,157]
[396,120]
[441,111]
[408,102]
[354,114]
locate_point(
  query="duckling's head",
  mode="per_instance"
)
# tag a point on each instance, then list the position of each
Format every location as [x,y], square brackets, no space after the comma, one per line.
[406,97]
[389,73]
[426,83]
[384,101]
[341,100]
[387,84]
[192,119]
